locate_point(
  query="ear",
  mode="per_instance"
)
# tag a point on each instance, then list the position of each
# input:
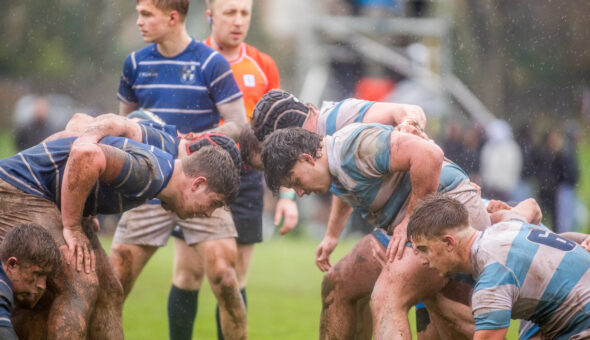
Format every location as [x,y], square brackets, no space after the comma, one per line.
[450,241]
[196,183]
[305,157]
[174,17]
[12,262]
[209,16]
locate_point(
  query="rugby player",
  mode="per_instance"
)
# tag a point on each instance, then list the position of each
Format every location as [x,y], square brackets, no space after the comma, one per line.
[280,109]
[56,183]
[191,86]
[522,270]
[28,256]
[381,172]
[255,73]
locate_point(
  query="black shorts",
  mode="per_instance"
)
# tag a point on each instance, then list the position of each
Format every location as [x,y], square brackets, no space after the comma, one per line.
[246,210]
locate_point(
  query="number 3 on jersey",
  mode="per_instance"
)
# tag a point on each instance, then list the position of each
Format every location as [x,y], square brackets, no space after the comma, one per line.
[551,240]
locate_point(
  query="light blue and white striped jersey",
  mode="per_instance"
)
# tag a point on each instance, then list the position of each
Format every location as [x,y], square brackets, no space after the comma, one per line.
[183,90]
[523,271]
[39,171]
[358,157]
[336,115]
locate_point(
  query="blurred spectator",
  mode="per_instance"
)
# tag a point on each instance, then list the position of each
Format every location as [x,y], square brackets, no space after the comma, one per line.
[566,164]
[501,162]
[38,127]
[452,143]
[469,160]
[547,170]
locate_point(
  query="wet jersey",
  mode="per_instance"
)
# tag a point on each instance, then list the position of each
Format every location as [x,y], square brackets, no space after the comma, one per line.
[336,115]
[255,72]
[524,271]
[6,299]
[358,157]
[39,171]
[183,90]
[163,137]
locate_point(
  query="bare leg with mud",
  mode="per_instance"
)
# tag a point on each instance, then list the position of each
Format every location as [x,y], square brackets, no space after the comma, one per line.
[344,285]
[219,257]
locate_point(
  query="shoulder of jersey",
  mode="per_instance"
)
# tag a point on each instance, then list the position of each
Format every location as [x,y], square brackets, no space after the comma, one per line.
[259,56]
[144,52]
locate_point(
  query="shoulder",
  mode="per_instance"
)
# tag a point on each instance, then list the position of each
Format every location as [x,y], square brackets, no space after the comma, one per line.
[261,58]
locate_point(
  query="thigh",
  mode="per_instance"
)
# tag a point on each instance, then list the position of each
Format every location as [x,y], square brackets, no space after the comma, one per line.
[468,195]
[408,280]
[355,274]
[146,225]
[203,229]
[217,254]
[246,210]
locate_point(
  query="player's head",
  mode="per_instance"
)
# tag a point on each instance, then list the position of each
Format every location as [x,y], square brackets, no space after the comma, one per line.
[29,254]
[277,109]
[291,159]
[437,228]
[229,21]
[159,18]
[213,138]
[211,181]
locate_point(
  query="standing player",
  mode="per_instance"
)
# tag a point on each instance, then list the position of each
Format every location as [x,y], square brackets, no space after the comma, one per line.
[256,74]
[189,85]
[522,271]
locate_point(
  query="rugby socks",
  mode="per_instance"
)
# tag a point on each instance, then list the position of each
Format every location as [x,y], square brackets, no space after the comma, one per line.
[219,333]
[182,310]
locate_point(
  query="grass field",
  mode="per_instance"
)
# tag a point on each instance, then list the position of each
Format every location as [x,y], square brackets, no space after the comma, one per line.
[283,294]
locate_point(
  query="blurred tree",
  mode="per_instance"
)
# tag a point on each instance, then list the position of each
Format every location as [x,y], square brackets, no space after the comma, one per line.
[524,57]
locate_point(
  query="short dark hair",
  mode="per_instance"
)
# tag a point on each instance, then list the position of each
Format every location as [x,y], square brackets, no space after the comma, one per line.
[215,138]
[217,166]
[282,149]
[436,214]
[277,109]
[249,145]
[31,245]
[180,6]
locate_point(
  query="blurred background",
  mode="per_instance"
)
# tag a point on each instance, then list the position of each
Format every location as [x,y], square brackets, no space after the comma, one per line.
[505,84]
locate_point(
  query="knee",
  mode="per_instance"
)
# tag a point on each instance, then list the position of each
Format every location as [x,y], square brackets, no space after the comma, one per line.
[223,278]
[330,285]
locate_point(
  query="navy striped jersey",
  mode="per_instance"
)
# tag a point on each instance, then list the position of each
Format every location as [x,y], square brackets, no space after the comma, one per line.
[524,271]
[6,299]
[163,137]
[183,90]
[336,115]
[39,171]
[358,157]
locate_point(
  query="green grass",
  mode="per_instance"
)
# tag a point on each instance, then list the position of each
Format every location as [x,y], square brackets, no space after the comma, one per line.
[283,294]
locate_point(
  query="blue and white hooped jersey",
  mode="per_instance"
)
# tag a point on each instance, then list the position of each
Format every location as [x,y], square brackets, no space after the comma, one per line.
[183,90]
[523,271]
[358,157]
[39,171]
[336,115]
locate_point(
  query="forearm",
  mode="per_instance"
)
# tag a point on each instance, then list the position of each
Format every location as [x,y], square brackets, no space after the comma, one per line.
[81,173]
[339,214]
[490,334]
[110,125]
[234,117]
[573,236]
